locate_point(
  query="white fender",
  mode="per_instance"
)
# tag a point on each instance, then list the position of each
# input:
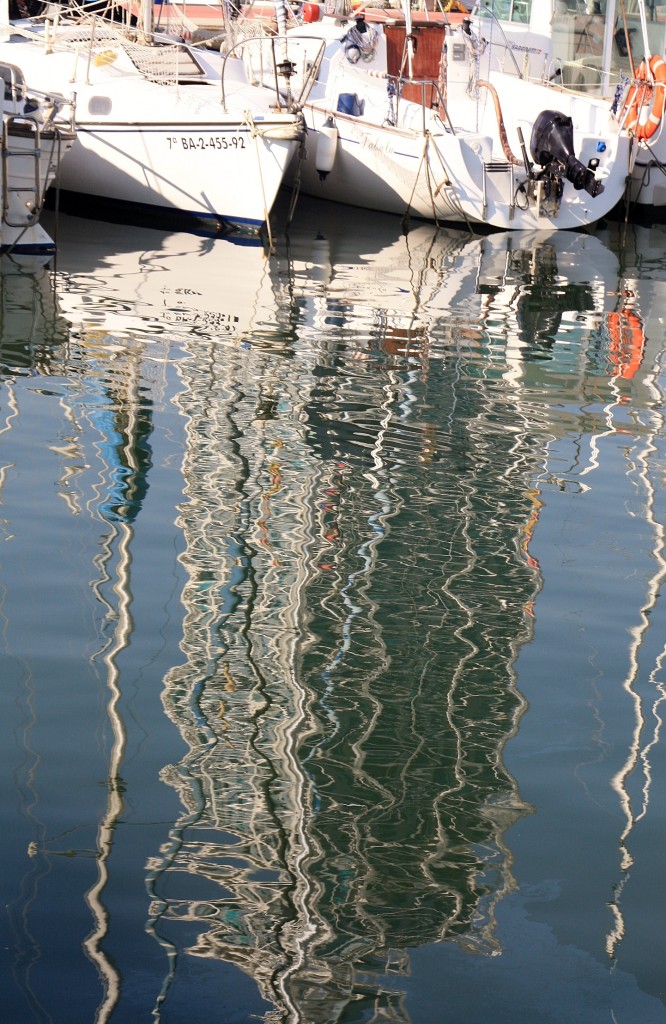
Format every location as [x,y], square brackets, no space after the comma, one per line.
[327,144]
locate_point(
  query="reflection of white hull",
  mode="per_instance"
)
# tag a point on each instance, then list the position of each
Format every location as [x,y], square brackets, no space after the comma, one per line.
[147,138]
[411,290]
[169,286]
[433,273]
[529,296]
[30,323]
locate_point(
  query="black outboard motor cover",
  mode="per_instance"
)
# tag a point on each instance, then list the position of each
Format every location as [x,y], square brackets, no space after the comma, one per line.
[552,144]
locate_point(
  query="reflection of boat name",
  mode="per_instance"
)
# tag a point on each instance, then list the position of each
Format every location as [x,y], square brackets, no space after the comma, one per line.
[181,291]
[191,316]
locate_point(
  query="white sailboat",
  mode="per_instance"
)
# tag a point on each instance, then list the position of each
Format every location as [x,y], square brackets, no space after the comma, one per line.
[612,51]
[162,125]
[393,126]
[34,140]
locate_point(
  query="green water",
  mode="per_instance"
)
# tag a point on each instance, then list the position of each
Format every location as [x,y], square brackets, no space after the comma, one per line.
[332,645]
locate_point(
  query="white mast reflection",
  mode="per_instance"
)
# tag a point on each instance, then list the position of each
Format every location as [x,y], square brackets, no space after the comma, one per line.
[119,539]
[120,428]
[639,753]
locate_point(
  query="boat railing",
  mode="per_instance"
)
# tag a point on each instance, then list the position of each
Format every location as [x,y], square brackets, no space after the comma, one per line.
[486,11]
[21,101]
[426,93]
[289,66]
[15,90]
[90,37]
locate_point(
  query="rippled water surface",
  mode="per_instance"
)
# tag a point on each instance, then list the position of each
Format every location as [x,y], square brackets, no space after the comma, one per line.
[332,642]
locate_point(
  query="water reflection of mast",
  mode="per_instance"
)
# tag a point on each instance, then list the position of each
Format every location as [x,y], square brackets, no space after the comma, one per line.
[491,496]
[640,750]
[359,751]
[124,425]
[119,537]
[358,863]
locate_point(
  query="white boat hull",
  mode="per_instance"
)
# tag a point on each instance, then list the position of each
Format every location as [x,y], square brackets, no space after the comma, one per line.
[212,171]
[155,141]
[400,157]
[448,179]
[31,245]
[583,52]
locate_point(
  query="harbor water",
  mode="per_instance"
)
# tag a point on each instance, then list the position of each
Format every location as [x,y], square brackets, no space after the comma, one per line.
[332,658]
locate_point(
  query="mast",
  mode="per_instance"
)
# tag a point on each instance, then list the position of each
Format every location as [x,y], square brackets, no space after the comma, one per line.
[409,39]
[609,38]
[146,18]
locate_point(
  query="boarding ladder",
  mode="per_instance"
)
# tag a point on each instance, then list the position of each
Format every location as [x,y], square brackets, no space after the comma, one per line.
[499,167]
[27,183]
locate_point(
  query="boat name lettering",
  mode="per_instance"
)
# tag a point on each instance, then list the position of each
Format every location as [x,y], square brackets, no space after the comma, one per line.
[378,147]
[206,142]
[525,49]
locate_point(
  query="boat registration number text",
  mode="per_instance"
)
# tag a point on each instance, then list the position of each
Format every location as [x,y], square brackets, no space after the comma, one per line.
[223,322]
[201,142]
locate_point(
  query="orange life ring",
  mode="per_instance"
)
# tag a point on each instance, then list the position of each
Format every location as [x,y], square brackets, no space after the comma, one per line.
[636,99]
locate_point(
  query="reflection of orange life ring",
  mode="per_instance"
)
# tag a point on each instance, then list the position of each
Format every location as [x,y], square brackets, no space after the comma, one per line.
[637,95]
[627,341]
[528,532]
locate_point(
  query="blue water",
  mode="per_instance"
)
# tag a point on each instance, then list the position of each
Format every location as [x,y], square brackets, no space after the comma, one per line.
[332,657]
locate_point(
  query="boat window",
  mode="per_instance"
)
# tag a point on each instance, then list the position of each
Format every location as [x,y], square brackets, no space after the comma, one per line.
[508,10]
[580,35]
[99,105]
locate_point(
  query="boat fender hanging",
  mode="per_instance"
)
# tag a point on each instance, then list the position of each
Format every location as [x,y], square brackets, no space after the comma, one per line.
[327,144]
[312,12]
